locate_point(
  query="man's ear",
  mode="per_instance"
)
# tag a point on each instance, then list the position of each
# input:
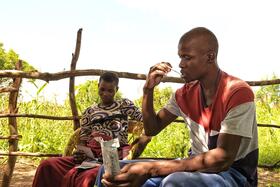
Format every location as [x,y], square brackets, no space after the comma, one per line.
[211,57]
[117,88]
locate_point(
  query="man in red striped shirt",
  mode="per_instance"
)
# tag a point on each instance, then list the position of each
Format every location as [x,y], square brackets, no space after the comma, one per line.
[218,109]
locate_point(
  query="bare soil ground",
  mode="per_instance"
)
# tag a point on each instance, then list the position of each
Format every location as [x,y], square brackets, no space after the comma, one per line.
[24,173]
[22,176]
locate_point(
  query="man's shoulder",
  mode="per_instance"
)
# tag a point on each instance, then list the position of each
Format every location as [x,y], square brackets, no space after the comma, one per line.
[235,90]
[232,84]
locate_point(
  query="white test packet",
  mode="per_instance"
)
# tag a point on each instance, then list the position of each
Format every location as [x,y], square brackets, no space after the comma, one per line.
[110,156]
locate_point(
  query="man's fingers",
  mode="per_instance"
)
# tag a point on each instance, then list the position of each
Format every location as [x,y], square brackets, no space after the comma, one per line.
[164,67]
[160,72]
[107,176]
[109,184]
[121,177]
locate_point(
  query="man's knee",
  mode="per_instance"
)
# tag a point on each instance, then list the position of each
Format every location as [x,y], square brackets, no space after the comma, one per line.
[170,180]
[192,179]
[180,179]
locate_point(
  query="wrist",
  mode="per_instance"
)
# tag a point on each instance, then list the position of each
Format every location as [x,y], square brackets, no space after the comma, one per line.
[147,89]
[152,170]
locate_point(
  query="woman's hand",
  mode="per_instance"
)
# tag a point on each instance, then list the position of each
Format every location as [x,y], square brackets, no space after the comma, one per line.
[131,175]
[156,73]
[79,156]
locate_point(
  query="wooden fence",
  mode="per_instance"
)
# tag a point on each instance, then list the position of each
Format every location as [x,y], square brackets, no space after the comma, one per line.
[17,76]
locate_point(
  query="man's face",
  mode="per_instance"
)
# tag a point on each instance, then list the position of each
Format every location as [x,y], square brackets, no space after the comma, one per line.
[193,55]
[107,91]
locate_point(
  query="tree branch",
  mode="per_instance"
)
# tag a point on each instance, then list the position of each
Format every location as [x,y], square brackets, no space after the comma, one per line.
[96,72]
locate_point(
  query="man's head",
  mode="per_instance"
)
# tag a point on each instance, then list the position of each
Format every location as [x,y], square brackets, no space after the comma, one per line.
[108,87]
[198,51]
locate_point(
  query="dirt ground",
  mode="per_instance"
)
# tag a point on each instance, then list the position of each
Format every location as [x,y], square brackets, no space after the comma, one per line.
[22,176]
[24,173]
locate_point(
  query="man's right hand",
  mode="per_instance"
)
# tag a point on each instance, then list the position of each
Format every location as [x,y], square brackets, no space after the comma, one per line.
[156,73]
[131,175]
[79,156]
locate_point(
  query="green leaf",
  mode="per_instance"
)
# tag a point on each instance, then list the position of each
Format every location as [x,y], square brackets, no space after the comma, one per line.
[41,88]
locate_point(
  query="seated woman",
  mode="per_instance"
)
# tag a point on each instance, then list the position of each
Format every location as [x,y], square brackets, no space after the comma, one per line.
[108,119]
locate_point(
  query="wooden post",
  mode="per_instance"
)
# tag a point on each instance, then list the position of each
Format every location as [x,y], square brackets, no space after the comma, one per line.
[72,99]
[13,143]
